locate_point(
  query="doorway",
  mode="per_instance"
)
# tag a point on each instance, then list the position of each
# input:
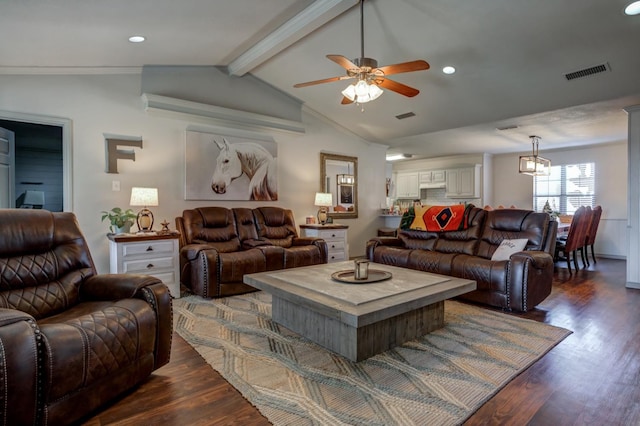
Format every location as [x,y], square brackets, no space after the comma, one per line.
[42,157]
[37,164]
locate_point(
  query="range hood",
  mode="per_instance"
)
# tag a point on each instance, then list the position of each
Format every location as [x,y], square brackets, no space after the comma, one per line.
[433,185]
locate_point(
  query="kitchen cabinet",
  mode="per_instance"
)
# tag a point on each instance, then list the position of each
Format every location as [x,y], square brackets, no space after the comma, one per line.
[463,182]
[407,185]
[432,177]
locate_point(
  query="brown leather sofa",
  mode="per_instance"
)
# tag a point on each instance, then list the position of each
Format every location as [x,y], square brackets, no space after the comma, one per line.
[218,246]
[70,340]
[519,283]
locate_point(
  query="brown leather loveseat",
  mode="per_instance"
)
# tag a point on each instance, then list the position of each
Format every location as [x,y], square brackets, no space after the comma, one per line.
[518,283]
[219,246]
[70,340]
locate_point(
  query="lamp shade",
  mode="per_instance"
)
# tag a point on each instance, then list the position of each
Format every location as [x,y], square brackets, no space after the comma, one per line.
[323,199]
[534,165]
[144,196]
[31,200]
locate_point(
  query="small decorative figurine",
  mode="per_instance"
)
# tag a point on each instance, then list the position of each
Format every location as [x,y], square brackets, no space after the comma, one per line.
[165,227]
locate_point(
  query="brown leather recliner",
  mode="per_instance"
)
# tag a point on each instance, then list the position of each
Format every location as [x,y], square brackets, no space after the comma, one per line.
[219,246]
[70,340]
[518,283]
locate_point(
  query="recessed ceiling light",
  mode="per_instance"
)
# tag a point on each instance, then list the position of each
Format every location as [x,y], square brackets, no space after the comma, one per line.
[448,70]
[394,157]
[633,8]
[137,39]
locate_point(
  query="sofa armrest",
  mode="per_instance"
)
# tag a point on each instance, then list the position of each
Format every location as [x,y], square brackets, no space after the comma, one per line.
[530,279]
[159,297]
[192,251]
[19,335]
[115,286]
[381,241]
[145,287]
[305,241]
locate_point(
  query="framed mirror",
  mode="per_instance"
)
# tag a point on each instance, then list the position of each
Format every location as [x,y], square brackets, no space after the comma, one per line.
[339,176]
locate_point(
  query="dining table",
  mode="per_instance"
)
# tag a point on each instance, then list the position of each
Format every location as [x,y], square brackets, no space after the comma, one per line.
[563,229]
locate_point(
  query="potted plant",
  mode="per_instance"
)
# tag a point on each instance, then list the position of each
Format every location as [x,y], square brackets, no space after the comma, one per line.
[121,220]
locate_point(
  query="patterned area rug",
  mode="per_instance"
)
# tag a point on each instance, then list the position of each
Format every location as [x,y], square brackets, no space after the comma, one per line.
[441,378]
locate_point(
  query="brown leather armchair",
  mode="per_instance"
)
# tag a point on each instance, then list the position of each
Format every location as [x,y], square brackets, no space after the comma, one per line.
[70,340]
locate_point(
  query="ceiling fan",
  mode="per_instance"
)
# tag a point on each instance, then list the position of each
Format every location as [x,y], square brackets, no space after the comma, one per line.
[369,76]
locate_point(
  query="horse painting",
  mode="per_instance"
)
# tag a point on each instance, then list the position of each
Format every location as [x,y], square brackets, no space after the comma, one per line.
[251,159]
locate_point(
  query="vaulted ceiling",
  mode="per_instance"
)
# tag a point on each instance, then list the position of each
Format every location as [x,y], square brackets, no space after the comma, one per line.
[511,57]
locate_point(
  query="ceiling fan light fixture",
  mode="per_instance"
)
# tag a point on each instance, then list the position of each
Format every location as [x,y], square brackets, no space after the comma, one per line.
[362,92]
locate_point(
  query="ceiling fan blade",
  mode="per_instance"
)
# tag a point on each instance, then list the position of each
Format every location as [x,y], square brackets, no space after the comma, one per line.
[343,62]
[405,67]
[346,101]
[403,89]
[325,80]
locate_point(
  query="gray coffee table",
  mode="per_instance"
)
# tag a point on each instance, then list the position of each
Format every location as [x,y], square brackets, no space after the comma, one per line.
[358,320]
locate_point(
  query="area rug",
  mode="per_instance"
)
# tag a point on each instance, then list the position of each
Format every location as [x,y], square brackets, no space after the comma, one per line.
[439,379]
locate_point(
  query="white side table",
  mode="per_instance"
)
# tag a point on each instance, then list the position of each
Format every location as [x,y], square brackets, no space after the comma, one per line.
[336,237]
[149,254]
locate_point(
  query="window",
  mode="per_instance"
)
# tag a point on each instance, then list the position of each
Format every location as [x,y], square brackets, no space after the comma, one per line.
[567,187]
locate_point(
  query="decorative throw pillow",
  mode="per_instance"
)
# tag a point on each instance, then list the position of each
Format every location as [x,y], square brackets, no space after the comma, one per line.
[508,247]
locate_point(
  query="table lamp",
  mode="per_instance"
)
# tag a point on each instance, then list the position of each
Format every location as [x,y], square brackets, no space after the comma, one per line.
[31,200]
[144,197]
[323,200]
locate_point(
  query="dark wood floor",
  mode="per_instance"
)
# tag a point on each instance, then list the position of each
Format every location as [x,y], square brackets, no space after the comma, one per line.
[591,378]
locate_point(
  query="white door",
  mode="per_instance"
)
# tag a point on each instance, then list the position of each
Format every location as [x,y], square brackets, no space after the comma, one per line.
[7,167]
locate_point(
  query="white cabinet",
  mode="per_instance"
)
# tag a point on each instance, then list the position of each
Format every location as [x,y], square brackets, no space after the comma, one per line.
[432,177]
[407,185]
[463,182]
[336,237]
[155,255]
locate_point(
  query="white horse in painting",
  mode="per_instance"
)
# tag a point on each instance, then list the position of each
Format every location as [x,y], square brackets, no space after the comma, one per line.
[248,158]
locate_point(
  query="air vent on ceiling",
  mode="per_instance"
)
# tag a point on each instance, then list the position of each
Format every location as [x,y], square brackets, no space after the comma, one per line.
[511,127]
[405,115]
[588,71]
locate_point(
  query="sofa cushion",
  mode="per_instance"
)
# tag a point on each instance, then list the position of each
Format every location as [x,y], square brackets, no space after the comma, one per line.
[511,224]
[509,247]
[233,266]
[464,241]
[211,225]
[490,275]
[431,261]
[304,255]
[276,225]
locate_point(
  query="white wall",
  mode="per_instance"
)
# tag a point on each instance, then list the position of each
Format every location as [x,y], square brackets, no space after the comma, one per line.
[510,187]
[99,104]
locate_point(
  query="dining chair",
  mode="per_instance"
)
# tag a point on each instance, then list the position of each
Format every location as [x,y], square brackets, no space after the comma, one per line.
[575,239]
[593,230]
[585,222]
